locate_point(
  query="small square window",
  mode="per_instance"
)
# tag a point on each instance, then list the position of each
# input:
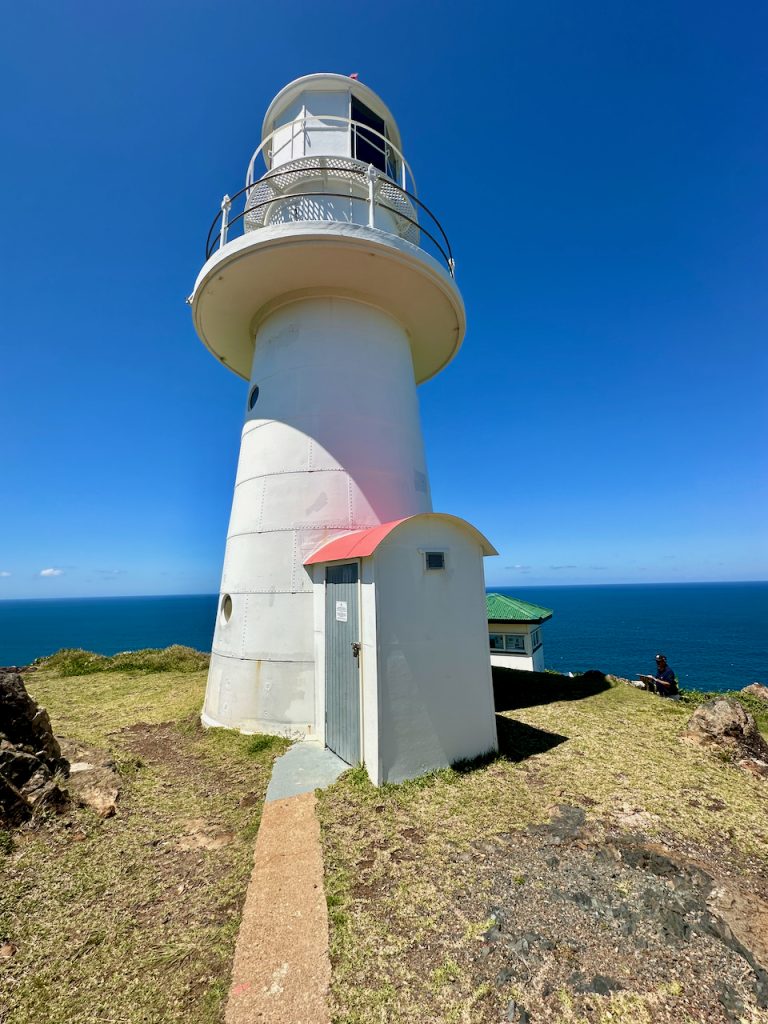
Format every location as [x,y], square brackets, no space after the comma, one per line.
[434,559]
[497,641]
[515,642]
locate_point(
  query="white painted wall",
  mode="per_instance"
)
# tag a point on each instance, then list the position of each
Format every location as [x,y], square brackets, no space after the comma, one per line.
[531,661]
[538,658]
[369,677]
[433,677]
[333,444]
[296,138]
[288,141]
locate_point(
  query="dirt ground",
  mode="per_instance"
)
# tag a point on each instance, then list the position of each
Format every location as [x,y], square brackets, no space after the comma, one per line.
[597,872]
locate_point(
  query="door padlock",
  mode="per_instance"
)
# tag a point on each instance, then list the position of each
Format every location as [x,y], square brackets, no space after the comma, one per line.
[356,648]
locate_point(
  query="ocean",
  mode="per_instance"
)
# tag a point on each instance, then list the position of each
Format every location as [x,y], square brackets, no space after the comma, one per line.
[715,635]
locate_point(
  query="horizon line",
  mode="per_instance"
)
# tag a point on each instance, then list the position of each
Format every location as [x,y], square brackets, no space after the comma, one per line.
[488,586]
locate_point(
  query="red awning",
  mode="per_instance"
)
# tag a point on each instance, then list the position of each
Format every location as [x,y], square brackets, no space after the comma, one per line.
[361,543]
[357,544]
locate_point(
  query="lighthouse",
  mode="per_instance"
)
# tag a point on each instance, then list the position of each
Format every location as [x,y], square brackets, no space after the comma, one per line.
[349,611]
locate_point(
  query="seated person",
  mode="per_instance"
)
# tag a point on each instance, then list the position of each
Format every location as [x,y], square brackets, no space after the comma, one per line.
[665,681]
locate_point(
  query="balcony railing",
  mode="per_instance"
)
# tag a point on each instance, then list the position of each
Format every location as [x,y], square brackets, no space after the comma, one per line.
[329,189]
[356,138]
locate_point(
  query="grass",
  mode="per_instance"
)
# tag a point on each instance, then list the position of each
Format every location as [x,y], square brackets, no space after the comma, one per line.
[134,918]
[73,661]
[395,856]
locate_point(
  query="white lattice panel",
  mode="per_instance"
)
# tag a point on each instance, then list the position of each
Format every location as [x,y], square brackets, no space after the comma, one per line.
[280,198]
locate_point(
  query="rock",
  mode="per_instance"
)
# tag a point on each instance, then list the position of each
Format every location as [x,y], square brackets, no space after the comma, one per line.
[13,807]
[599,984]
[94,786]
[758,768]
[602,985]
[567,824]
[43,790]
[725,723]
[16,765]
[31,762]
[80,754]
[7,950]
[757,690]
[732,1003]
[92,782]
[24,724]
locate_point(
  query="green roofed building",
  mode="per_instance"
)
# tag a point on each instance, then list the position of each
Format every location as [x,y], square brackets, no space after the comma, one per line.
[514,630]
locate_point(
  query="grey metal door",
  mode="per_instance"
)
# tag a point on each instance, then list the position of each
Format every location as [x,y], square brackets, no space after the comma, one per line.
[342,661]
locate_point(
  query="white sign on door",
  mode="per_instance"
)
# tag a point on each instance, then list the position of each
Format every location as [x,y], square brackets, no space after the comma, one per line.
[341,611]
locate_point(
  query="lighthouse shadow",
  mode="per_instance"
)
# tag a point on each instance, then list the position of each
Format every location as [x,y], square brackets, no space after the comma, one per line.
[513,688]
[518,741]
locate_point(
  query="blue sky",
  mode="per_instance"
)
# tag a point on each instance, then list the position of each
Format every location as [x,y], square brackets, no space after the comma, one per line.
[601,172]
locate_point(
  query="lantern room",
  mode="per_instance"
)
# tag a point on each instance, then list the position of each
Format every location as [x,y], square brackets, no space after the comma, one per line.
[331,115]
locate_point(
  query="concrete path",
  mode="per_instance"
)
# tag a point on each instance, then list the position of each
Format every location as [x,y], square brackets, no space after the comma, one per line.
[282,971]
[303,768]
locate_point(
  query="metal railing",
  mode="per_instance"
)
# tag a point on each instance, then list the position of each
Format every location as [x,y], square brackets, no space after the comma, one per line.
[395,164]
[373,192]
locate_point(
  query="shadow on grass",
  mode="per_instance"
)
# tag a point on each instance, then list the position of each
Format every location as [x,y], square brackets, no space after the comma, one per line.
[513,688]
[518,741]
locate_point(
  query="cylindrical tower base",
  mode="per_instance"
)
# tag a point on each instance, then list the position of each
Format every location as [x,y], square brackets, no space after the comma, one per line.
[332,442]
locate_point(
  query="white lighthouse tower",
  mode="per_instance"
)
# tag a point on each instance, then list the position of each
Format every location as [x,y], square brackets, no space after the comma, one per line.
[329,287]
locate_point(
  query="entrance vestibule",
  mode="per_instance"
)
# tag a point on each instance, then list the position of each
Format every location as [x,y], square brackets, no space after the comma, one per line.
[403,679]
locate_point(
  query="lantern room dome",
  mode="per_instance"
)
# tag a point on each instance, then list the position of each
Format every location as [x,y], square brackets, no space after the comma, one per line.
[283,107]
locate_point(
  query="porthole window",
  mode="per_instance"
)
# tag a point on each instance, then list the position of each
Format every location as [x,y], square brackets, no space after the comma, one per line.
[253,397]
[434,559]
[226,608]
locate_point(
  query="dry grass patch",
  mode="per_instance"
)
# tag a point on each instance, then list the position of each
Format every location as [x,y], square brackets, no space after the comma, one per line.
[134,919]
[408,873]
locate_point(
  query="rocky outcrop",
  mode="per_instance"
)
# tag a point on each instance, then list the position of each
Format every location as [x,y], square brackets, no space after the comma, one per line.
[587,910]
[724,723]
[32,767]
[757,690]
[93,781]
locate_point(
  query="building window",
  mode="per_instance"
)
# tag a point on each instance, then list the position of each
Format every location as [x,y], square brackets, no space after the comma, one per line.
[512,643]
[253,397]
[434,559]
[536,639]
